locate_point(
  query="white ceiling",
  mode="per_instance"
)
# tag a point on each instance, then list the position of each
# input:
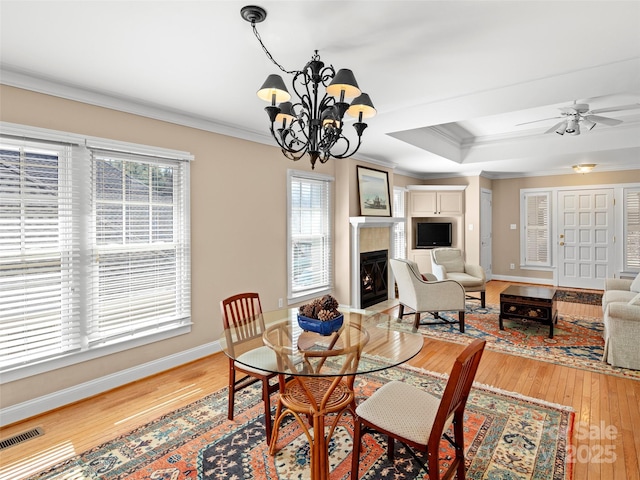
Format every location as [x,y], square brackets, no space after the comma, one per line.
[449,79]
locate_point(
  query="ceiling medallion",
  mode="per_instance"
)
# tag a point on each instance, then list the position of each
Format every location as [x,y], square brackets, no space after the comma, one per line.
[314,123]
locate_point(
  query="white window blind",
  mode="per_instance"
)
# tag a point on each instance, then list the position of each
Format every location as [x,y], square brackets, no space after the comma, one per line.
[38,246]
[94,251]
[632,229]
[537,238]
[141,246]
[310,238]
[399,235]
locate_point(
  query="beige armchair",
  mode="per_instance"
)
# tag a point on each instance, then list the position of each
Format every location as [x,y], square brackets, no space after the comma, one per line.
[427,294]
[448,263]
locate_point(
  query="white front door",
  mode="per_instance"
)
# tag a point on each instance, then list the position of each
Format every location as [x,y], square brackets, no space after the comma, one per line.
[585,238]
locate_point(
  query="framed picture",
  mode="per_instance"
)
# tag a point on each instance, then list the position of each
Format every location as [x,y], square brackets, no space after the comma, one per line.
[373,190]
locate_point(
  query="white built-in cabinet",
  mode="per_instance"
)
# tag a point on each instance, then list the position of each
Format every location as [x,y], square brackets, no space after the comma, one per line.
[435,203]
[428,203]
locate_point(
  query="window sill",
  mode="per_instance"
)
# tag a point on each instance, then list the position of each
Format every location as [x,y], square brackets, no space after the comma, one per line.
[306,296]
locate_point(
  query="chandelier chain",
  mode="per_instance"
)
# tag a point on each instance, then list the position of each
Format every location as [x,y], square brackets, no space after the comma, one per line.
[255,32]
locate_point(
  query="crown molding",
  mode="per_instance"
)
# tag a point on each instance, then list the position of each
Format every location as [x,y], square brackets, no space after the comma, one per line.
[27,81]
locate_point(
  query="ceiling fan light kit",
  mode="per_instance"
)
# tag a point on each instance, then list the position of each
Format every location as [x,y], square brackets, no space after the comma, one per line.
[579,116]
[584,167]
[314,123]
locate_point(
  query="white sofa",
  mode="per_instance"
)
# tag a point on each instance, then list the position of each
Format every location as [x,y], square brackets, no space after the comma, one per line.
[621,309]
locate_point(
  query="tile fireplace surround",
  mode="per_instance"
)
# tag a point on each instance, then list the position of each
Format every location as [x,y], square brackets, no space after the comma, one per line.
[357,224]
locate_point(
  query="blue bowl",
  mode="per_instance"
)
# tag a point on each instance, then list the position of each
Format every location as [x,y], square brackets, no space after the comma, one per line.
[318,326]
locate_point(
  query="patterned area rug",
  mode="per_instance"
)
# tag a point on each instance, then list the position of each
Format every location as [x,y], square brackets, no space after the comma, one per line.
[572,296]
[577,341]
[506,437]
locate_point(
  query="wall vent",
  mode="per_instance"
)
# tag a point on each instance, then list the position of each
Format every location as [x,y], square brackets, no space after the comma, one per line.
[21,437]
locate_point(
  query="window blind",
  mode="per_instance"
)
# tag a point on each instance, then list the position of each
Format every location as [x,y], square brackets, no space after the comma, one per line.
[632,230]
[399,235]
[38,255]
[537,233]
[141,248]
[310,239]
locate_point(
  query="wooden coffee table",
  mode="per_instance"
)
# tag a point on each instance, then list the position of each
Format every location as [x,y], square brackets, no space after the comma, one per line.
[529,303]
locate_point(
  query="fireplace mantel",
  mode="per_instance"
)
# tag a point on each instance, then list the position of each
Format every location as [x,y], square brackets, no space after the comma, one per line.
[358,223]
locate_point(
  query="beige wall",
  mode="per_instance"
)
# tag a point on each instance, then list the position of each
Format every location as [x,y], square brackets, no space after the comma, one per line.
[238,221]
[506,210]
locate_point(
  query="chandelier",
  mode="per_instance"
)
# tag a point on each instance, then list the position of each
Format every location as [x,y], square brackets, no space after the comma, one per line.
[314,123]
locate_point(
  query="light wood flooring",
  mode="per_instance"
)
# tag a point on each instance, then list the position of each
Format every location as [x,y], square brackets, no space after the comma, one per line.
[607,407]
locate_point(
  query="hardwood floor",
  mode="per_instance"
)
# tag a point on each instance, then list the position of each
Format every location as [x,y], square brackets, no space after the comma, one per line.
[606,441]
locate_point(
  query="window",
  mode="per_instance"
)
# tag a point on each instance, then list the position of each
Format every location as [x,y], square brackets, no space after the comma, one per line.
[140,246]
[399,235]
[632,229]
[94,252]
[536,232]
[40,310]
[309,235]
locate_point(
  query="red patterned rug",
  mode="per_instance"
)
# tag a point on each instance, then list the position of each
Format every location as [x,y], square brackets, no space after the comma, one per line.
[507,436]
[577,341]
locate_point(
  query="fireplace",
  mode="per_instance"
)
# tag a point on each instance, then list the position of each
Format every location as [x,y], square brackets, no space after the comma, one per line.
[360,225]
[373,278]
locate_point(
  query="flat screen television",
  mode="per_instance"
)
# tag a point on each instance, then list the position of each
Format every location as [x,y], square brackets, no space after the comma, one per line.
[432,234]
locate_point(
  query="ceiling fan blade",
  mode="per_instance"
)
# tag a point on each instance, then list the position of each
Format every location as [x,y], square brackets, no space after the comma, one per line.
[536,121]
[616,109]
[607,121]
[555,127]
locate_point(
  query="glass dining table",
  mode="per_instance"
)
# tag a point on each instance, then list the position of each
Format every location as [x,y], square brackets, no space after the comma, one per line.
[317,372]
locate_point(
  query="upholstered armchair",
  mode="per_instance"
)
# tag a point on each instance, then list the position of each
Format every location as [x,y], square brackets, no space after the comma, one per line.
[424,293]
[621,310]
[448,263]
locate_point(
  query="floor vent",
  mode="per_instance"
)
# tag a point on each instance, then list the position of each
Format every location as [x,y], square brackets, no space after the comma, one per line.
[21,437]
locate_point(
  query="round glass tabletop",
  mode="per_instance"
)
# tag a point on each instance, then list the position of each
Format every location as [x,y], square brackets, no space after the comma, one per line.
[275,342]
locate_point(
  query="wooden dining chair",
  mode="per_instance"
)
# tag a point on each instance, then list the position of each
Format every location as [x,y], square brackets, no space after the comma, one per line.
[419,419]
[242,321]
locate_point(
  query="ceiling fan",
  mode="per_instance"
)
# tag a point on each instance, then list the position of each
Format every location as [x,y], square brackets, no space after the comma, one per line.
[579,114]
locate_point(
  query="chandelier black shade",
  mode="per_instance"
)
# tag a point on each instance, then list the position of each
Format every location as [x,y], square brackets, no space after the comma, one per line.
[313,122]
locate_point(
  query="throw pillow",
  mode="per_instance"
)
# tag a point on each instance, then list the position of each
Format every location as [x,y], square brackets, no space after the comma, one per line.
[635,285]
[635,300]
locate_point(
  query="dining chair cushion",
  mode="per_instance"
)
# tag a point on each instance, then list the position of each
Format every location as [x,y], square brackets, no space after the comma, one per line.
[401,409]
[258,356]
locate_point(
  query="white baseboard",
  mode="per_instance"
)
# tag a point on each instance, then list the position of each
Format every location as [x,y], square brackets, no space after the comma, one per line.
[510,278]
[36,406]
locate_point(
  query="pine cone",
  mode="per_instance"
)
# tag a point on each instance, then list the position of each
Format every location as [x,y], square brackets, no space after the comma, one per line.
[307,310]
[329,303]
[325,315]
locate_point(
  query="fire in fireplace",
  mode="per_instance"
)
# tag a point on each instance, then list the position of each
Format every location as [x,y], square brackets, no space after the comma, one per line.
[373,277]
